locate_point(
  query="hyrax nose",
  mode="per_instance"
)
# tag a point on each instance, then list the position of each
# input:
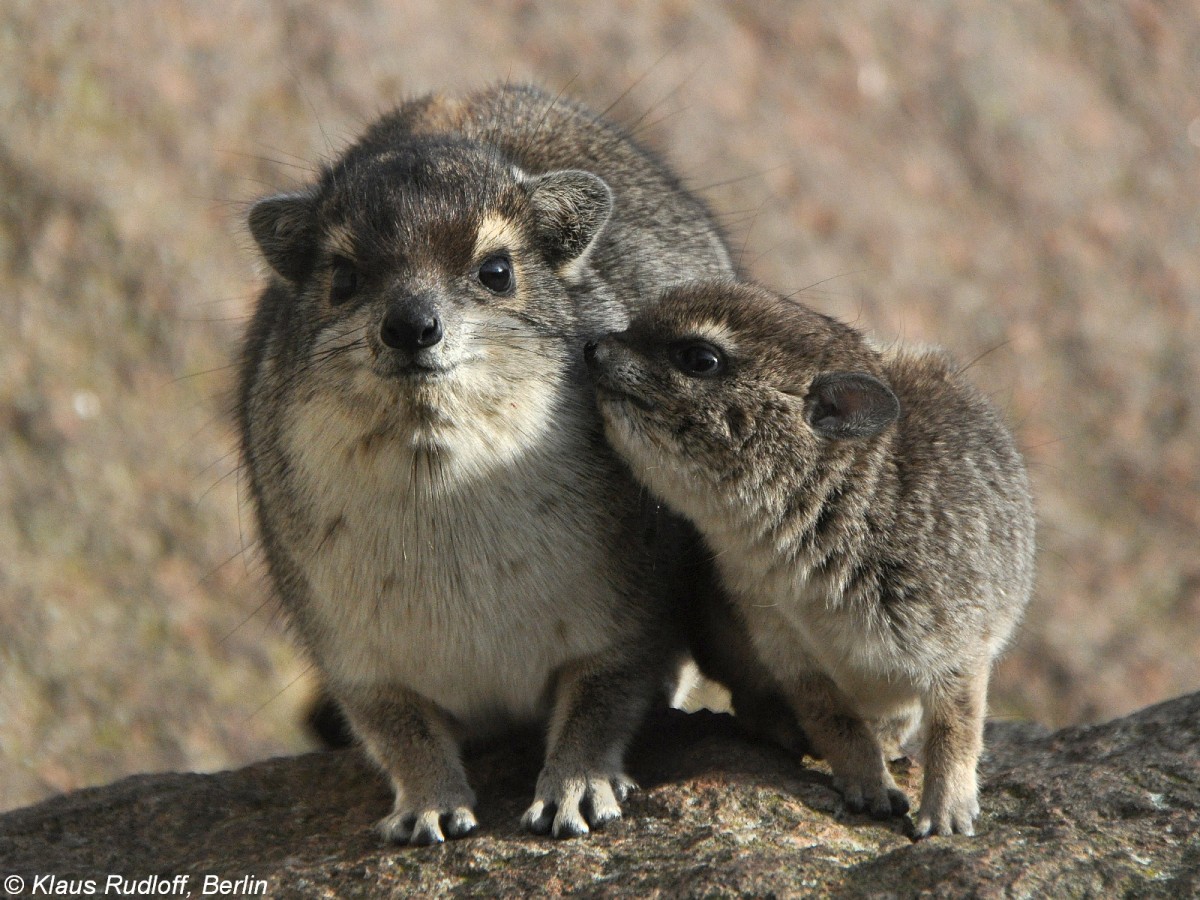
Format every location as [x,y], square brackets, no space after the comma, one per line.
[410,328]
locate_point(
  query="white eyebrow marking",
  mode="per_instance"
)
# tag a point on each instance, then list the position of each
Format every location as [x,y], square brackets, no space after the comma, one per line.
[715,333]
[497,233]
[340,240]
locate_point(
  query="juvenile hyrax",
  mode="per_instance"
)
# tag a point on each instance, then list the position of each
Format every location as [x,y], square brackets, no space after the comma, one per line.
[455,544]
[867,510]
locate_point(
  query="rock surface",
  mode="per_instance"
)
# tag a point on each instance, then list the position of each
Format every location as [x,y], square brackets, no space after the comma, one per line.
[1109,810]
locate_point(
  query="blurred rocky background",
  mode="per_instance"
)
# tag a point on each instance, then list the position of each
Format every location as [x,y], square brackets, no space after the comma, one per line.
[1018,182]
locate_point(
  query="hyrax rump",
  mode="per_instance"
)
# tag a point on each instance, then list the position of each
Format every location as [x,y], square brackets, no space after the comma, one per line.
[455,544]
[868,514]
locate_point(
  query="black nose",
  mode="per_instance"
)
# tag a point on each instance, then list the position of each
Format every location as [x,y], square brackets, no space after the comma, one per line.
[405,328]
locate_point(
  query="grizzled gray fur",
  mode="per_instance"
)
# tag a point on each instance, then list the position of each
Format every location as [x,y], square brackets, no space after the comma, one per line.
[457,547]
[868,513]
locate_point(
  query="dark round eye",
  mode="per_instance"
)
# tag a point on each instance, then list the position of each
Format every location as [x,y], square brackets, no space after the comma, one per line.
[496,274]
[698,359]
[343,280]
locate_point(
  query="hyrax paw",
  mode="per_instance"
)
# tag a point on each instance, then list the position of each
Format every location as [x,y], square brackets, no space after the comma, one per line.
[571,805]
[879,798]
[947,818]
[431,825]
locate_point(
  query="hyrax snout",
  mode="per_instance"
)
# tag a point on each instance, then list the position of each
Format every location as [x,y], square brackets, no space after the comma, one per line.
[411,326]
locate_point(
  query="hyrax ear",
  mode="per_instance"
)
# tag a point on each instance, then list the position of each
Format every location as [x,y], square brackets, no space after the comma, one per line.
[844,405]
[285,231]
[572,208]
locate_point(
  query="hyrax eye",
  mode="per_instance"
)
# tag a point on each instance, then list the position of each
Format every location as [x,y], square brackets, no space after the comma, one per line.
[496,274]
[343,280]
[698,359]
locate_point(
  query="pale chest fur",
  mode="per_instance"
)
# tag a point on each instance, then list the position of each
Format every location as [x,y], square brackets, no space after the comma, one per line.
[799,622]
[470,587]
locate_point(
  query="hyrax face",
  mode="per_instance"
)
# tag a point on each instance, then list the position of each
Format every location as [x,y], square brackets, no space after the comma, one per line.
[426,286]
[721,385]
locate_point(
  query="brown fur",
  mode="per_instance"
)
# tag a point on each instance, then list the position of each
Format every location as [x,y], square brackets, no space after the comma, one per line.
[456,546]
[868,513]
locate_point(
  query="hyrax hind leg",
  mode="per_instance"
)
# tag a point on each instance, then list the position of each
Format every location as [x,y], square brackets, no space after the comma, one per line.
[597,707]
[848,743]
[952,744]
[411,739]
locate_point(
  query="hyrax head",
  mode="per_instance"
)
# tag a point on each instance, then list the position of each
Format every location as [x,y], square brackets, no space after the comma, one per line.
[719,380]
[427,267]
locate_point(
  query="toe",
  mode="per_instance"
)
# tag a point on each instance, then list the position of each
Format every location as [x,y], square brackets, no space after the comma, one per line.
[852,795]
[539,817]
[946,822]
[427,830]
[622,787]
[396,828]
[459,823]
[569,825]
[601,806]
[427,826]
[923,827]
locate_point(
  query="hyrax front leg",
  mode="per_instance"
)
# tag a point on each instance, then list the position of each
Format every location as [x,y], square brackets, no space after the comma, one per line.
[411,740]
[837,732]
[953,742]
[597,709]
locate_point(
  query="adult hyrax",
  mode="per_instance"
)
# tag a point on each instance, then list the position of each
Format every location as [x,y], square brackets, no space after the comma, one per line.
[867,510]
[455,544]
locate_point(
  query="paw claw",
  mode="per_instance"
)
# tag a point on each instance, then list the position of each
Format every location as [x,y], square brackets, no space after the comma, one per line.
[427,826]
[569,827]
[926,828]
[396,828]
[622,787]
[945,823]
[880,801]
[459,824]
[946,810]
[897,802]
[601,817]
[574,805]
[539,817]
[426,835]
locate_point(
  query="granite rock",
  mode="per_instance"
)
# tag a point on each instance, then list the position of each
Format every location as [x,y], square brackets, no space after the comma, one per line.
[1110,810]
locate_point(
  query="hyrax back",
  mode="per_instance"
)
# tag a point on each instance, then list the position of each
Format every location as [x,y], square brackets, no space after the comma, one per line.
[454,542]
[868,513]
